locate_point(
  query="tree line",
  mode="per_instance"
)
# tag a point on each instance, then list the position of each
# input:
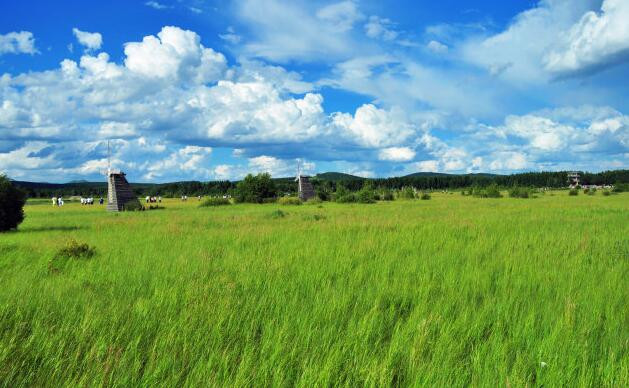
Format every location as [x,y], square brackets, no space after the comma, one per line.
[324,187]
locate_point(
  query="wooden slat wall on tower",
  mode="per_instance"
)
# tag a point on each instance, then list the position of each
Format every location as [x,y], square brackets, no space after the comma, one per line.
[306,190]
[119,192]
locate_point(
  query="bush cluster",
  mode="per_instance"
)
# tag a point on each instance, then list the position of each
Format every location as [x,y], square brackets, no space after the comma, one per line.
[520,192]
[573,192]
[491,191]
[364,195]
[425,196]
[347,198]
[132,206]
[216,201]
[72,250]
[256,189]
[407,193]
[12,202]
[387,195]
[76,250]
[289,201]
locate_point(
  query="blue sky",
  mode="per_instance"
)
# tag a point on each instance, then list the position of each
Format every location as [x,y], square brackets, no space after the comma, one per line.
[206,90]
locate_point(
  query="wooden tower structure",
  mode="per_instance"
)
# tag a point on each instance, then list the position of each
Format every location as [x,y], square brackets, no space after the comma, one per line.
[573,178]
[120,197]
[304,187]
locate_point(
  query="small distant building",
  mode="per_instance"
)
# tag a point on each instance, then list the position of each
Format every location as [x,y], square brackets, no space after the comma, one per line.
[120,197]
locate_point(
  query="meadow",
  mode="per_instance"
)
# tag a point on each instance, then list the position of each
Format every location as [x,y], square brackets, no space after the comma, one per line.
[453,291]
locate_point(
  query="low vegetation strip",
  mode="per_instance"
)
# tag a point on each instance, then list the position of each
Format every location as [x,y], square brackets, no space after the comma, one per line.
[454,291]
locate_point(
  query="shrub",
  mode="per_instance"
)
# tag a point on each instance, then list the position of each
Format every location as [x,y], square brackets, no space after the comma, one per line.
[573,192]
[215,202]
[620,188]
[277,214]
[365,195]
[586,191]
[387,195]
[492,191]
[592,191]
[71,251]
[407,193]
[425,196]
[606,193]
[314,201]
[519,192]
[289,201]
[347,198]
[132,206]
[341,191]
[322,194]
[477,191]
[12,202]
[255,189]
[76,250]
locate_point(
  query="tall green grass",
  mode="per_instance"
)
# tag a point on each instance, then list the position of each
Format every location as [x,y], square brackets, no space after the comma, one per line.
[455,291]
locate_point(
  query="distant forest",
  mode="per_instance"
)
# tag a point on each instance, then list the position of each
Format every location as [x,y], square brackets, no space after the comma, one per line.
[329,182]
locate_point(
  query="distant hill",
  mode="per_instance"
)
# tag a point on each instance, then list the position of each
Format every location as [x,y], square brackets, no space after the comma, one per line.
[337,176]
[420,180]
[426,174]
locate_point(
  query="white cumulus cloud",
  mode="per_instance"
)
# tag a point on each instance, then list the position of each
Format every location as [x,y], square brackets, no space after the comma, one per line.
[91,40]
[396,154]
[21,42]
[174,53]
[598,39]
[374,127]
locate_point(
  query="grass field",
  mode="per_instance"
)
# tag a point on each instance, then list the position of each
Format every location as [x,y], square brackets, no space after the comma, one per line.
[454,291]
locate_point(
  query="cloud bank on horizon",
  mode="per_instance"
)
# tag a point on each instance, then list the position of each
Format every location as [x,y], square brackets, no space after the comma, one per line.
[195,90]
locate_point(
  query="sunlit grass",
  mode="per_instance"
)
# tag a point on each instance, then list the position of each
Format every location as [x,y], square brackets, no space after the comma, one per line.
[452,291]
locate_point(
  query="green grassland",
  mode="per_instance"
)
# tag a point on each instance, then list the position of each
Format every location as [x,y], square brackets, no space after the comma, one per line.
[454,291]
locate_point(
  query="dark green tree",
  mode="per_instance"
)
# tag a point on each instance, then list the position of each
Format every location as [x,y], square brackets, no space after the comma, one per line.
[12,202]
[255,189]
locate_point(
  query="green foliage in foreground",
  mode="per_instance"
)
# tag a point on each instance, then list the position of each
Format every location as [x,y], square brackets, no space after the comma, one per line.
[12,201]
[455,291]
[289,201]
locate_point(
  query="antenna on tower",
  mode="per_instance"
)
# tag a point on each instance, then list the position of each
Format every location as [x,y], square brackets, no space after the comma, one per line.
[298,168]
[108,158]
